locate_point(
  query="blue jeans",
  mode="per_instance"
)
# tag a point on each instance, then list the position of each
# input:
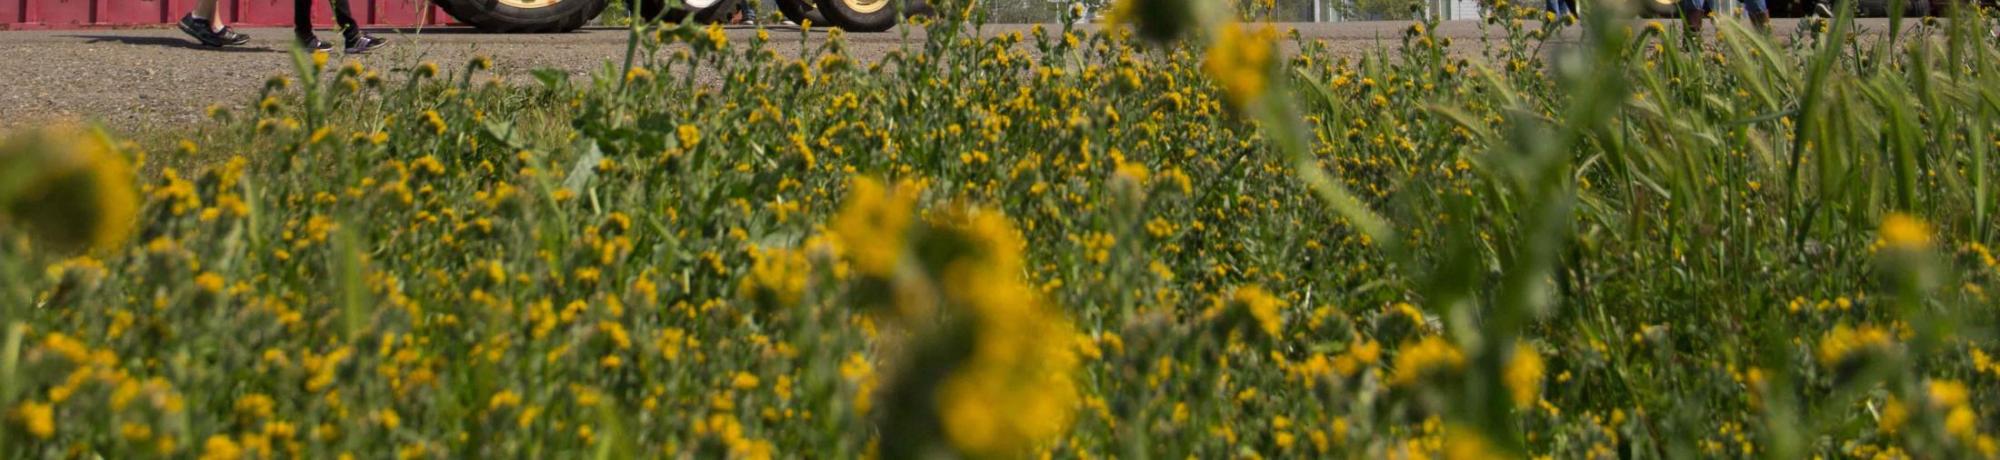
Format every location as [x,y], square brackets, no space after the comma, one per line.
[1559,7]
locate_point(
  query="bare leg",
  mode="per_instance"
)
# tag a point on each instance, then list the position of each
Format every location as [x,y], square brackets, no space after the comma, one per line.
[205,9]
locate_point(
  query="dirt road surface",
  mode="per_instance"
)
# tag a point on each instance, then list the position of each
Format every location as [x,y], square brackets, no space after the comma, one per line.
[154,79]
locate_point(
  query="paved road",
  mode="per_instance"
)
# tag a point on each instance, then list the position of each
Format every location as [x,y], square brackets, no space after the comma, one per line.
[157,78]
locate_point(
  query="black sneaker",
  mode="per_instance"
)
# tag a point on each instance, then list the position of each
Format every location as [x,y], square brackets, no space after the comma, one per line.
[204,31]
[365,43]
[231,38]
[310,43]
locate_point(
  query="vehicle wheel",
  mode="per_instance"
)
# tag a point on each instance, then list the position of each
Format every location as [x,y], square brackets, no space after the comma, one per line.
[705,11]
[801,11]
[1659,8]
[860,15]
[523,15]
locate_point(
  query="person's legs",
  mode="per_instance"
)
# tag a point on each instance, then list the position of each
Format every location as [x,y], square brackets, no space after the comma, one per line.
[1760,14]
[1693,11]
[302,20]
[205,9]
[203,26]
[349,29]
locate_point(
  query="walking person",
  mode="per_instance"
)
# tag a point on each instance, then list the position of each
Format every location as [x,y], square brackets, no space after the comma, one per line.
[207,29]
[1560,8]
[1760,14]
[1697,11]
[1693,12]
[356,41]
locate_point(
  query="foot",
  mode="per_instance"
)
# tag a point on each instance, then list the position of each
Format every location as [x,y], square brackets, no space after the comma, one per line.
[1762,21]
[204,30]
[311,43]
[231,37]
[365,43]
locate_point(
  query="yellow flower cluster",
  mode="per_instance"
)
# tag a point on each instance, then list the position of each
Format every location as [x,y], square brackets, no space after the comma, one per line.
[1264,308]
[1242,61]
[1844,345]
[1523,375]
[871,224]
[69,187]
[1013,389]
[1904,232]
[1424,359]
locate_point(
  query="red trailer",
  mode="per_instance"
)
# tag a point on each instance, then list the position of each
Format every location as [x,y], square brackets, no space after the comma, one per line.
[488,15]
[67,14]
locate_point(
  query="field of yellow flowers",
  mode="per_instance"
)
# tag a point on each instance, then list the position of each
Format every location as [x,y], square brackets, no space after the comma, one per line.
[1584,238]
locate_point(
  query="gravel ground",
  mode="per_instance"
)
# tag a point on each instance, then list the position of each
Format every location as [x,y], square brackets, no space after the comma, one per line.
[155,79]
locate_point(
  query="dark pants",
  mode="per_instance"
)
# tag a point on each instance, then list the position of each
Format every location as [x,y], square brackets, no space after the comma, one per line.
[302,15]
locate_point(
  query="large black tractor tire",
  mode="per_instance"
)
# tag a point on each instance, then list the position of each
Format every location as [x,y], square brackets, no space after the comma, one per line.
[533,16]
[715,11]
[1659,8]
[800,12]
[860,15]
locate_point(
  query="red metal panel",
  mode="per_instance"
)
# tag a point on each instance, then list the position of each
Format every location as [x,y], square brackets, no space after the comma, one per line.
[264,12]
[16,14]
[224,9]
[134,12]
[397,12]
[10,12]
[62,12]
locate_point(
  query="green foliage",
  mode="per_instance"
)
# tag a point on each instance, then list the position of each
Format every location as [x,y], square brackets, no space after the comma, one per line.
[1637,244]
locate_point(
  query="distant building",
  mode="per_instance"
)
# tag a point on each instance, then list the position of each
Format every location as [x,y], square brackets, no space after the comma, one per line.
[1331,10]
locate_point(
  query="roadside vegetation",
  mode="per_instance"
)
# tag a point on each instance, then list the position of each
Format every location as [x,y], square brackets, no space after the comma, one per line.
[1168,239]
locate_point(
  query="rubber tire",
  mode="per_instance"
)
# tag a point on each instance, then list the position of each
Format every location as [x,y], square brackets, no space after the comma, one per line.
[491,16]
[718,12]
[1655,9]
[800,11]
[840,15]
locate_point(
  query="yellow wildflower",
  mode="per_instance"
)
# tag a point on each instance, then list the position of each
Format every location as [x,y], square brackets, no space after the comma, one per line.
[1523,375]
[78,193]
[220,447]
[1241,62]
[1844,344]
[1429,356]
[39,419]
[1262,307]
[870,226]
[1904,232]
[744,381]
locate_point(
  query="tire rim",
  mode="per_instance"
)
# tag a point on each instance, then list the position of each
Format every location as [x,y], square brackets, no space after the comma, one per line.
[865,6]
[530,4]
[700,4]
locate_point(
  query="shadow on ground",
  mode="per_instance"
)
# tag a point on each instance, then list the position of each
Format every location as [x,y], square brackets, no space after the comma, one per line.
[468,30]
[174,42]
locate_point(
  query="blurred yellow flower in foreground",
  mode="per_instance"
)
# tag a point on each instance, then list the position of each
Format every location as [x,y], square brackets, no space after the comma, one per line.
[870,226]
[68,188]
[1524,375]
[1844,344]
[39,419]
[1240,62]
[1015,390]
[1903,231]
[1157,20]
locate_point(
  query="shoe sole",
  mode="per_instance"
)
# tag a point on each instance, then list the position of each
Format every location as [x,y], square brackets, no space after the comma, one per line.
[365,50]
[198,37]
